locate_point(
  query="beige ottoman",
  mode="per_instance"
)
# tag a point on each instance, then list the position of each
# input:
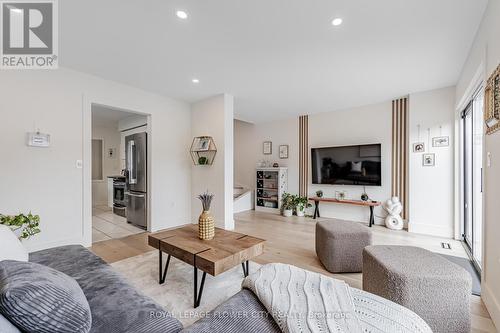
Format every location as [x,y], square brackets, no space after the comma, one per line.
[436,289]
[340,244]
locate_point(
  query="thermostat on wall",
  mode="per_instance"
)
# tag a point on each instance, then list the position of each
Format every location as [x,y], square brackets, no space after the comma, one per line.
[37,139]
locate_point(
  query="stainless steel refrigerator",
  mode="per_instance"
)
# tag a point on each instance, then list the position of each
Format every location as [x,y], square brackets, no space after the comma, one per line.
[137,179]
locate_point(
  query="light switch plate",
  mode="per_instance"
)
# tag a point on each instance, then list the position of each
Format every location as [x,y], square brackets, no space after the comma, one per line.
[79,164]
[488,159]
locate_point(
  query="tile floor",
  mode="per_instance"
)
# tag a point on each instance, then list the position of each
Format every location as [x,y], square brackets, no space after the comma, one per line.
[106,225]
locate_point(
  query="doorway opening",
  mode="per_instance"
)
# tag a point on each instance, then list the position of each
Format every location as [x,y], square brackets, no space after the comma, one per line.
[472,178]
[119,164]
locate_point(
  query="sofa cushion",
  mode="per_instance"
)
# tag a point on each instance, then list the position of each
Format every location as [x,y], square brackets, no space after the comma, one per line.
[11,247]
[242,313]
[115,305]
[37,298]
[6,326]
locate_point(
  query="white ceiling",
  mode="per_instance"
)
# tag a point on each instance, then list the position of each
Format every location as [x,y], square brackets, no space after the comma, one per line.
[104,116]
[278,58]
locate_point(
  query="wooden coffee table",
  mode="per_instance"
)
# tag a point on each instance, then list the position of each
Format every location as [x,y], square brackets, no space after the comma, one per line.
[225,251]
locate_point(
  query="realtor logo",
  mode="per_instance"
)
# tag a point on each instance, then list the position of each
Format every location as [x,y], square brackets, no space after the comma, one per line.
[29,35]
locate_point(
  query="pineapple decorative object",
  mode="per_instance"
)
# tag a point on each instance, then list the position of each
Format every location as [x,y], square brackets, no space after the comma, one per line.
[206,223]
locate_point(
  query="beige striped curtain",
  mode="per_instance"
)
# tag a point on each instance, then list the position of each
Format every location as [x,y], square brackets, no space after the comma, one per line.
[400,147]
[303,155]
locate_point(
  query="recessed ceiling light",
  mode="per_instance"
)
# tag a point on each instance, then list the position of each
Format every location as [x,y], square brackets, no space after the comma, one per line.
[195,80]
[181,14]
[337,21]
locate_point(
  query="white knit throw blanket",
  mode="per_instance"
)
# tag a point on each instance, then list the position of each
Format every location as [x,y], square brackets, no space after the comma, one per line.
[303,301]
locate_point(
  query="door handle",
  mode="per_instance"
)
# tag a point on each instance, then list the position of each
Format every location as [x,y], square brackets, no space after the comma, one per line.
[135,195]
[131,162]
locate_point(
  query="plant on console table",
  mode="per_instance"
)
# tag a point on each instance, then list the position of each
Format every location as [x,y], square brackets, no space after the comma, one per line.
[23,225]
[301,203]
[206,223]
[287,204]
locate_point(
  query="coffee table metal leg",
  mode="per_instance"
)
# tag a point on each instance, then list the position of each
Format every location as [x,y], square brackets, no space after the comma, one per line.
[245,268]
[163,273]
[197,294]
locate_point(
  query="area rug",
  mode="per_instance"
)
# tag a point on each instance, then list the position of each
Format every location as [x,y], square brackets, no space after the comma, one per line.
[469,267]
[176,294]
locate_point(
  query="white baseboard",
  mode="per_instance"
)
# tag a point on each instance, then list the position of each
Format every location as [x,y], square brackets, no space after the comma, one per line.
[430,229]
[492,304]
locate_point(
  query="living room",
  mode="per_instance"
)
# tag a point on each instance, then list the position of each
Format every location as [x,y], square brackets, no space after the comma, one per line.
[340,114]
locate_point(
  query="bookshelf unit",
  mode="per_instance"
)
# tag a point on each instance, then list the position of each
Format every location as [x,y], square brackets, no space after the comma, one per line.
[271,183]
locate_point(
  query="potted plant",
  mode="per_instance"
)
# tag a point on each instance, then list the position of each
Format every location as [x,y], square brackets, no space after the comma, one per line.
[287,204]
[301,203]
[24,226]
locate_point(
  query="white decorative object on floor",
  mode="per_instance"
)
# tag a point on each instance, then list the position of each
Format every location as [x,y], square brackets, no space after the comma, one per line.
[394,208]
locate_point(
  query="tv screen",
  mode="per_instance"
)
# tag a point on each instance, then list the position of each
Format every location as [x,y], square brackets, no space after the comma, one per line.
[347,165]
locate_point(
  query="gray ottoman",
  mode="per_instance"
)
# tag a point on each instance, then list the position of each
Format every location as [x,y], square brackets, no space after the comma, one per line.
[340,244]
[436,289]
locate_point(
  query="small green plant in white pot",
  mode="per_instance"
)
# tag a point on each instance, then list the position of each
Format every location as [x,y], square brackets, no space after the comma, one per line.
[287,204]
[24,226]
[301,203]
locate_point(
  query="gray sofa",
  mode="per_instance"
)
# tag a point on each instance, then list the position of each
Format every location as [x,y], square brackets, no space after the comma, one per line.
[117,307]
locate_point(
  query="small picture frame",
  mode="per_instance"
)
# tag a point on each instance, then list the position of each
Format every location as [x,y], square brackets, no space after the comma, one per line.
[441,141]
[419,147]
[429,160]
[283,151]
[203,144]
[267,148]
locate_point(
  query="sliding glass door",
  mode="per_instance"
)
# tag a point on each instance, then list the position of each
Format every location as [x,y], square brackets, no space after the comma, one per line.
[467,167]
[472,155]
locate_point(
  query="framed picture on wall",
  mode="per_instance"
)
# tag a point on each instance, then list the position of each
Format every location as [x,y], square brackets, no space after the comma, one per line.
[419,147]
[441,141]
[429,160]
[284,151]
[267,148]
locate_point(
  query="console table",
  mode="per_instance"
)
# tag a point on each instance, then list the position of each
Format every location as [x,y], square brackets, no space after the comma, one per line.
[370,204]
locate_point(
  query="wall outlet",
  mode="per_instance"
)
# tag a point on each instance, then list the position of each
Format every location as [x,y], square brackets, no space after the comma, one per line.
[488,159]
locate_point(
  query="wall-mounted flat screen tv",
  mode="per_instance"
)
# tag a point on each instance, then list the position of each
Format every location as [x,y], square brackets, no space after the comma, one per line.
[347,165]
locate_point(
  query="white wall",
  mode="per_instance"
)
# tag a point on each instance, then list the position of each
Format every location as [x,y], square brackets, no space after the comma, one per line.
[248,140]
[432,188]
[362,125]
[370,124]
[483,59]
[47,181]
[214,117]
[110,166]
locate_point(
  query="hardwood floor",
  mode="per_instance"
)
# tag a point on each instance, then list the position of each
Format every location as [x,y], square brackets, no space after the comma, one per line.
[291,241]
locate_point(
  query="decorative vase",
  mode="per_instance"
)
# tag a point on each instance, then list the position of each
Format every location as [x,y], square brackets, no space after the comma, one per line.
[206,226]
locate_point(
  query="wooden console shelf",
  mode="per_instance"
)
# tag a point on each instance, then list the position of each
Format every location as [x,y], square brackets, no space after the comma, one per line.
[369,204]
